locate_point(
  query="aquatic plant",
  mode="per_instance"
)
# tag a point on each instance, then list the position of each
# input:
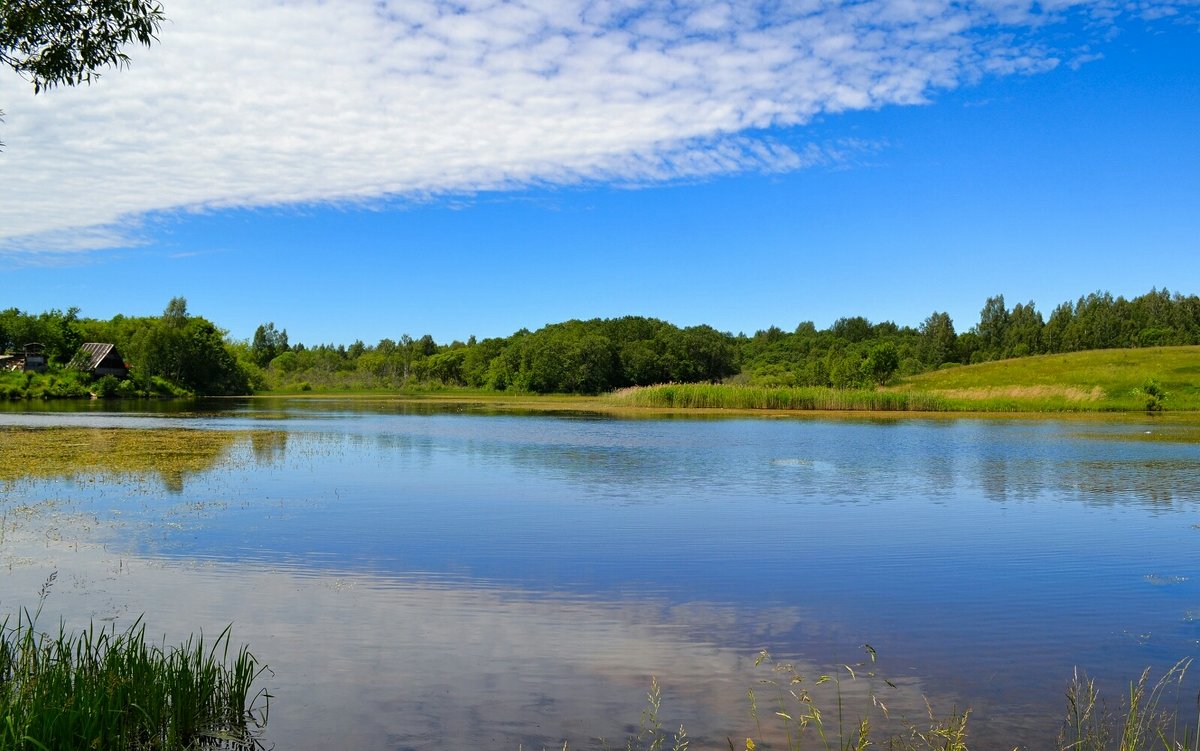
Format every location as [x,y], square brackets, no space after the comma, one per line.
[109,689]
[788,711]
[1143,722]
[170,453]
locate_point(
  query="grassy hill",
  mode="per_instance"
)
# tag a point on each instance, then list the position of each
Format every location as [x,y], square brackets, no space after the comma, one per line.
[1112,380]
[1098,380]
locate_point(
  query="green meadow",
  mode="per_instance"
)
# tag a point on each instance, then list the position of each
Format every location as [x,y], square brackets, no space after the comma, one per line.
[1107,380]
[1115,380]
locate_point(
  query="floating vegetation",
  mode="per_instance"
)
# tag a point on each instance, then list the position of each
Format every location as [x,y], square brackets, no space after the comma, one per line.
[1163,432]
[1159,580]
[169,453]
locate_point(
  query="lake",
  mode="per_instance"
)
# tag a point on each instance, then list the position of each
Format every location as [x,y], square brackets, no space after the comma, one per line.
[420,576]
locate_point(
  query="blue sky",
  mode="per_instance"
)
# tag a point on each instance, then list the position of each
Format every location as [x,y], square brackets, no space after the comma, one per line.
[511,164]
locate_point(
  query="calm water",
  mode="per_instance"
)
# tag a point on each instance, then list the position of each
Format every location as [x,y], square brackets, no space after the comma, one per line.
[420,579]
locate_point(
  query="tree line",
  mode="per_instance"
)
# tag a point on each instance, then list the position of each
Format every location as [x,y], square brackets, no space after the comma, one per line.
[604,354]
[584,357]
[168,354]
[190,353]
[848,353]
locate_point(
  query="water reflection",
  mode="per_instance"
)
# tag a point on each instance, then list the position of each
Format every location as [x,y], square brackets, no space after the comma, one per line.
[369,662]
[443,578]
[840,461]
[269,447]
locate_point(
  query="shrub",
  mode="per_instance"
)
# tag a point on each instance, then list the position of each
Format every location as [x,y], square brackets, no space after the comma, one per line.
[106,387]
[1152,390]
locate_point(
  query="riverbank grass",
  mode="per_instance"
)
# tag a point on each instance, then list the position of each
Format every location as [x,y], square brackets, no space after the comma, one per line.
[1120,380]
[1108,380]
[61,382]
[728,396]
[109,689]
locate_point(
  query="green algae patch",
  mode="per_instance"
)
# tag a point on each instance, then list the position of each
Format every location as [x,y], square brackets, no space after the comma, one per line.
[169,453]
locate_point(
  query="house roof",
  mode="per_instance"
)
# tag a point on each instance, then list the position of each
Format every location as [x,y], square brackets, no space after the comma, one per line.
[91,354]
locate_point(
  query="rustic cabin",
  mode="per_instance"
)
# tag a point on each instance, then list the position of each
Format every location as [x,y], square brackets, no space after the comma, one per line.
[100,359]
[31,359]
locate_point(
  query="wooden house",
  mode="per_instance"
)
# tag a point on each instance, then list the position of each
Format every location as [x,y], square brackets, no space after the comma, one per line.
[32,359]
[100,359]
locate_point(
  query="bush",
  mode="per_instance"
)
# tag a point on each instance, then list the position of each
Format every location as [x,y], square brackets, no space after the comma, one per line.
[1152,390]
[106,387]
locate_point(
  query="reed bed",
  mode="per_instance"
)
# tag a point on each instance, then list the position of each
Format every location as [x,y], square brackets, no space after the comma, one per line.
[109,689]
[892,399]
[728,396]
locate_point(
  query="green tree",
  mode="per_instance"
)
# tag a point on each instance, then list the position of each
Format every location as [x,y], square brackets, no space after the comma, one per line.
[1054,335]
[267,344]
[426,346]
[572,357]
[853,330]
[844,368]
[1095,324]
[67,42]
[188,351]
[939,343]
[447,367]
[61,333]
[175,314]
[1023,335]
[640,364]
[699,353]
[881,363]
[478,359]
[993,323]
[406,354]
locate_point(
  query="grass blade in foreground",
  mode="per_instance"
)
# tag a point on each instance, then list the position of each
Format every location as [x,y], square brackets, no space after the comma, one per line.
[111,690]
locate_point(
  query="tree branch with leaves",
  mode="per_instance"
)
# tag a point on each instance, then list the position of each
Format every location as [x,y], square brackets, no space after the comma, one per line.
[67,42]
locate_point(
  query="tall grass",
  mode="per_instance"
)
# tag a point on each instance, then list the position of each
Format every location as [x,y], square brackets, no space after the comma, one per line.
[727,396]
[1143,722]
[789,711]
[796,721]
[109,689]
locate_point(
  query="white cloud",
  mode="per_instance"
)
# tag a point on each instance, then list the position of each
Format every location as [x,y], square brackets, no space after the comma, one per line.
[271,102]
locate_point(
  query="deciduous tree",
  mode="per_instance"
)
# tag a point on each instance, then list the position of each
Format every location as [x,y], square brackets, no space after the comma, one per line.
[938,340]
[68,42]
